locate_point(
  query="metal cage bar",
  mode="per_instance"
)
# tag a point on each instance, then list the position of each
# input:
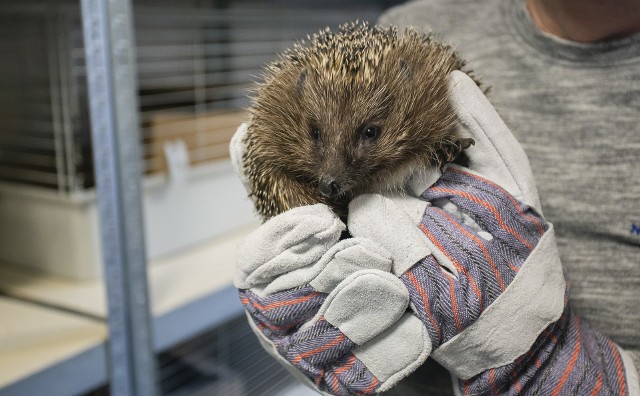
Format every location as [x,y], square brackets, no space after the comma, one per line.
[111,76]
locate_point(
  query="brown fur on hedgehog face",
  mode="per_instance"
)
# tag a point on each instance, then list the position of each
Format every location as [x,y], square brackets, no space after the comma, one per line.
[353,112]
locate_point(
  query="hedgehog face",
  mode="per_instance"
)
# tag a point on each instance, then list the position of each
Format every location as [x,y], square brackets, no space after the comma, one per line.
[348,125]
[354,112]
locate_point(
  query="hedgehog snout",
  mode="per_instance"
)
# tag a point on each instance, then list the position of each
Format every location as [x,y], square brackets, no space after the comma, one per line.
[329,187]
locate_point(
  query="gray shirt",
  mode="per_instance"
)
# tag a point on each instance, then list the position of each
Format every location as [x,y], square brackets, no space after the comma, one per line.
[576,110]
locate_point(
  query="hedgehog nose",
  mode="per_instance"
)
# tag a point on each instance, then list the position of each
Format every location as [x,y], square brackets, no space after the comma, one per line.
[329,187]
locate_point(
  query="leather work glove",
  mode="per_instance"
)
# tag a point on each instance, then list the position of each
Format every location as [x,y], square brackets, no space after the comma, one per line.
[329,308]
[470,255]
[492,292]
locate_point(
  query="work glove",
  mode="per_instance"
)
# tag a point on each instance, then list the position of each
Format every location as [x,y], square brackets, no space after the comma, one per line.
[492,293]
[328,307]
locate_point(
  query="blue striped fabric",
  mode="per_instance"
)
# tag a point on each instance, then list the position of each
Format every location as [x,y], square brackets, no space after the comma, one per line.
[321,351]
[279,313]
[448,304]
[568,358]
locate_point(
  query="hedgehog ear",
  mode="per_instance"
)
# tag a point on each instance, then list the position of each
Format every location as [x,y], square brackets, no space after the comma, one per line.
[302,79]
[405,72]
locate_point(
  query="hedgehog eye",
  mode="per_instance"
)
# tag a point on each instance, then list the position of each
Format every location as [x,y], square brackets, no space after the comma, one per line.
[370,132]
[315,133]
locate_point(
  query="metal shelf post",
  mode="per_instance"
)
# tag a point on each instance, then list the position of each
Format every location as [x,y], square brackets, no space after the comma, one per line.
[111,75]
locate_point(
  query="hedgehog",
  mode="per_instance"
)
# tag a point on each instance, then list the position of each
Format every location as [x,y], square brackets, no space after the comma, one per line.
[361,110]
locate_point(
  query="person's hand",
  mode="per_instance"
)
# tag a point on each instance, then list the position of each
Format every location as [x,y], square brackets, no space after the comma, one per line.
[331,309]
[492,292]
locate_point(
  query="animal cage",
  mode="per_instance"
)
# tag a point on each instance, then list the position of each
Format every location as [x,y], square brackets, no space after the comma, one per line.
[195,62]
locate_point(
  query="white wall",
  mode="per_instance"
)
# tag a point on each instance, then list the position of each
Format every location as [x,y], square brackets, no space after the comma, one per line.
[46,231]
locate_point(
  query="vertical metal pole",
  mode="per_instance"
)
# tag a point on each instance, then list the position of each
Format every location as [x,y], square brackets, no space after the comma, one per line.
[56,100]
[111,74]
[62,39]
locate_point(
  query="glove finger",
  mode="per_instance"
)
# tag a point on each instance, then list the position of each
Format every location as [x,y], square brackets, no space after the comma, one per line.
[347,257]
[395,225]
[380,220]
[294,239]
[343,259]
[496,153]
[395,353]
[365,304]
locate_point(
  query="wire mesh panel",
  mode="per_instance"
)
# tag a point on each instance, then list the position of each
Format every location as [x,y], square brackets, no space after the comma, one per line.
[195,62]
[37,101]
[226,361]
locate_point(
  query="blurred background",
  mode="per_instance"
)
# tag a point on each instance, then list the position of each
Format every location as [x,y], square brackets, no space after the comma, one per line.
[192,62]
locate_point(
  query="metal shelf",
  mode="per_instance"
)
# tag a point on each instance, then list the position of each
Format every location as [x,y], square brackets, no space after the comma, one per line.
[61,326]
[39,345]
